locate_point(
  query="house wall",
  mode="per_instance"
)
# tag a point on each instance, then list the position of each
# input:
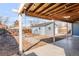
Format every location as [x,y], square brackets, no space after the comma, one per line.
[75,29]
[49,31]
[36,30]
[44,30]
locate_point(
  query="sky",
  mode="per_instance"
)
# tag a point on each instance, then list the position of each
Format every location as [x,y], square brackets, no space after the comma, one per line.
[6,10]
[28,19]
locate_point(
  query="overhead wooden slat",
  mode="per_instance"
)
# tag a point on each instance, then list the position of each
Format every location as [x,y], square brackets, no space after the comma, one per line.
[25,7]
[74,8]
[34,6]
[74,12]
[75,20]
[65,8]
[60,17]
[42,7]
[71,13]
[46,17]
[55,9]
[36,15]
[48,9]
[74,16]
[51,4]
[28,6]
[62,9]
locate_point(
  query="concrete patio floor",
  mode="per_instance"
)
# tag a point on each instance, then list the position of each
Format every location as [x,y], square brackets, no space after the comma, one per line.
[70,45]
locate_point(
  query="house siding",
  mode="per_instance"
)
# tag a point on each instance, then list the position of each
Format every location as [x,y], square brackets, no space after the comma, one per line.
[36,30]
[44,30]
[47,31]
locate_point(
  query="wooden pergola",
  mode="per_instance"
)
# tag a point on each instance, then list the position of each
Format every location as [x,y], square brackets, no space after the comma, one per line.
[50,11]
[67,12]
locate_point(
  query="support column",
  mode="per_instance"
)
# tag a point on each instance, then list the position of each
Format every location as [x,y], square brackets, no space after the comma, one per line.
[67,31]
[53,31]
[71,29]
[20,34]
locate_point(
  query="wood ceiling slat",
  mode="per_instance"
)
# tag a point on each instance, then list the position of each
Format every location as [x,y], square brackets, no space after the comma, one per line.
[73,8]
[25,7]
[61,9]
[75,11]
[29,5]
[46,17]
[42,7]
[75,16]
[69,14]
[38,6]
[36,15]
[76,19]
[48,9]
[56,9]
[65,8]
[34,6]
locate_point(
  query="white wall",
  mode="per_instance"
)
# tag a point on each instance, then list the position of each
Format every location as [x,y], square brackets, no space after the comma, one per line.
[47,31]
[40,31]
[34,30]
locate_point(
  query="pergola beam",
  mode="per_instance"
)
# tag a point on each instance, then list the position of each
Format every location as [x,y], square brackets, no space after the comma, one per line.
[41,8]
[56,9]
[34,6]
[21,8]
[75,8]
[66,8]
[50,8]
[45,17]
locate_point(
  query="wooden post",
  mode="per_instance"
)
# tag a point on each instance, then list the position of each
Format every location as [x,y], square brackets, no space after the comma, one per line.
[53,31]
[67,31]
[71,29]
[20,34]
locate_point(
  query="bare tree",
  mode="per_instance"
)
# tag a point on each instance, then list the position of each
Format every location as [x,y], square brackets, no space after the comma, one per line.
[4,19]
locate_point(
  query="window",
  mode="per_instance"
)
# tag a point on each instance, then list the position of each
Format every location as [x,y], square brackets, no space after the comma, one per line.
[39,28]
[49,28]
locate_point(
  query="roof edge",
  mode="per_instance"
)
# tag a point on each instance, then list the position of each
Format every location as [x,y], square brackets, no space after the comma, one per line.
[21,8]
